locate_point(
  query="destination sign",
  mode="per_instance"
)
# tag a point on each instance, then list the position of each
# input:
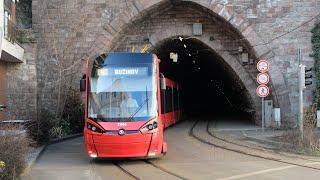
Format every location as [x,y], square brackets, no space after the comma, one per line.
[120,71]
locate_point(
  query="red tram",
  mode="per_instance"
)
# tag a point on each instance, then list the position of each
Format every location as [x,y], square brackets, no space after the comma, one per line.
[128,104]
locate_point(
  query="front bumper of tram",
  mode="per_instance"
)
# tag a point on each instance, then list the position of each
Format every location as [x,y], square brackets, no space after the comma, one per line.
[124,139]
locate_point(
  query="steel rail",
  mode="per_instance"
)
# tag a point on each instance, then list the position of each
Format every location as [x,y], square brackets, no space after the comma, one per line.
[151,164]
[237,144]
[241,152]
[125,171]
[165,170]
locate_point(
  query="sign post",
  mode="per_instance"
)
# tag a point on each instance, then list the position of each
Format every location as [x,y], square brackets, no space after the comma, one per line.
[263,79]
[262,112]
[301,83]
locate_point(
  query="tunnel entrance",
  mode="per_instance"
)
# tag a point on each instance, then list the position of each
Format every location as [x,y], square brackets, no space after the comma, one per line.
[210,88]
[215,78]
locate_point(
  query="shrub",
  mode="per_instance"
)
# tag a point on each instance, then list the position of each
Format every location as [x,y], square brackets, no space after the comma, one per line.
[57,132]
[13,152]
[60,130]
[310,142]
[73,113]
[49,125]
[39,130]
[315,40]
[310,139]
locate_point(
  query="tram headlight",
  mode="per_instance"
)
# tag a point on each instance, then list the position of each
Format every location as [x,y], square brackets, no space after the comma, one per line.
[94,128]
[150,127]
[155,125]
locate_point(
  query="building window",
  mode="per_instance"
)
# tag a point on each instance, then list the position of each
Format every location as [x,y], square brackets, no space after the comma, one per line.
[7,4]
[7,17]
[9,21]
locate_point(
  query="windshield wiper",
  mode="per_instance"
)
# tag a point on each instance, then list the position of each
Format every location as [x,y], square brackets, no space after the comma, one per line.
[138,109]
[141,105]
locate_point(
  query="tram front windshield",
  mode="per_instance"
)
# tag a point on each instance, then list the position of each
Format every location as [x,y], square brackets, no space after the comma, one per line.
[122,94]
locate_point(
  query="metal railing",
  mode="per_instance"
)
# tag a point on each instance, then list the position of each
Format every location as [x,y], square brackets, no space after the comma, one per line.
[10,30]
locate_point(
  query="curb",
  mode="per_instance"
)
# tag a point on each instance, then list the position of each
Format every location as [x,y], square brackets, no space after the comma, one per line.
[43,148]
[57,140]
[33,160]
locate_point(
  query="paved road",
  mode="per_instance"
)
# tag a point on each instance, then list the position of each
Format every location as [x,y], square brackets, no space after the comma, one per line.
[187,158]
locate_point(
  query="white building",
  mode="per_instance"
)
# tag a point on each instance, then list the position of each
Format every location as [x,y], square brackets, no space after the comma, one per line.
[11,51]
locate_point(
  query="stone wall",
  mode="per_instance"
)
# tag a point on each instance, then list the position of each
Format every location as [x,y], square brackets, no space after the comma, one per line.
[71,30]
[178,20]
[21,87]
[1,24]
[19,82]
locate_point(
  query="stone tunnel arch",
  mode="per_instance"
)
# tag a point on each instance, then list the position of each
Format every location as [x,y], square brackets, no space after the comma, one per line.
[114,37]
[231,66]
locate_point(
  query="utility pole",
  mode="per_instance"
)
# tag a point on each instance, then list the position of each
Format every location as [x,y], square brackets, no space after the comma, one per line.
[301,73]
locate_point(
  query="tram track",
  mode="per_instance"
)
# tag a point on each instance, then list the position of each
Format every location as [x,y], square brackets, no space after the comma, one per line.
[125,171]
[146,161]
[134,176]
[189,159]
[165,170]
[247,146]
[92,170]
[227,141]
[210,143]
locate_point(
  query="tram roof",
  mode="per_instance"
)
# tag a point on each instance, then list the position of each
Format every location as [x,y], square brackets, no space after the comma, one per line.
[128,58]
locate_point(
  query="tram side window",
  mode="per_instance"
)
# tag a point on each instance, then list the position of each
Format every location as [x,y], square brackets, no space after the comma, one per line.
[163,101]
[168,99]
[175,99]
[179,99]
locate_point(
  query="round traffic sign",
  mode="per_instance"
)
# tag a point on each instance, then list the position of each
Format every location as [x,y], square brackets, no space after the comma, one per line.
[263,78]
[263,66]
[262,91]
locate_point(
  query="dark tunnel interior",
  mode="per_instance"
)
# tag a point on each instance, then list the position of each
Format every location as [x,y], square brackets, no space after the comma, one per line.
[209,87]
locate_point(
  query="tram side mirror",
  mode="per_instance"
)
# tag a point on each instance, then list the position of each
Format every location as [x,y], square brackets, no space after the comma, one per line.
[163,83]
[83,84]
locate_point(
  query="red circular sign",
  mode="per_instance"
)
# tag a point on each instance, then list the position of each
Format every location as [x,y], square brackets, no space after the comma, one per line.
[263,66]
[263,78]
[262,91]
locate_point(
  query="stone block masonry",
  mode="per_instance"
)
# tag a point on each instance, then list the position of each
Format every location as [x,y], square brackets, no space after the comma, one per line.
[21,87]
[70,30]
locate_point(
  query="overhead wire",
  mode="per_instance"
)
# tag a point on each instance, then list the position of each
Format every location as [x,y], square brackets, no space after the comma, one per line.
[269,41]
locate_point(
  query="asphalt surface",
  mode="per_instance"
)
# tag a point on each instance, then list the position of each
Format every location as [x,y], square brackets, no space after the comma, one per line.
[187,158]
